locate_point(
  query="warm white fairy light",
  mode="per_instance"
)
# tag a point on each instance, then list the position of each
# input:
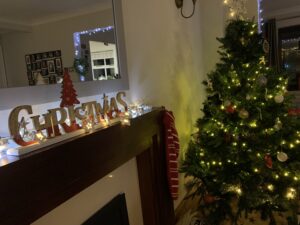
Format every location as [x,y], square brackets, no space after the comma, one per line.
[291,193]
[40,137]
[270,187]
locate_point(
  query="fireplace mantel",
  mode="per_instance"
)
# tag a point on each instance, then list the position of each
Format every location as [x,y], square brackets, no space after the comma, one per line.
[34,184]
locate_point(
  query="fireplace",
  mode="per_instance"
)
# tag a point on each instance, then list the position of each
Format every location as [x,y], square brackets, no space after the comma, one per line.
[113,213]
[40,181]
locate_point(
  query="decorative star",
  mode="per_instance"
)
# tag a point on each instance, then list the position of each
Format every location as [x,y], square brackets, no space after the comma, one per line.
[262,60]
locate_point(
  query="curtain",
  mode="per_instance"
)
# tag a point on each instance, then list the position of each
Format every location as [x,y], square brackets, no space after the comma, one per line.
[270,33]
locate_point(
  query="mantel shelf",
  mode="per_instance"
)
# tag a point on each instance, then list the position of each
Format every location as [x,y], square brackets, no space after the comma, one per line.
[36,183]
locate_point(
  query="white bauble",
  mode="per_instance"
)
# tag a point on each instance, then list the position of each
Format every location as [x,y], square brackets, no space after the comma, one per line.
[279,99]
[282,156]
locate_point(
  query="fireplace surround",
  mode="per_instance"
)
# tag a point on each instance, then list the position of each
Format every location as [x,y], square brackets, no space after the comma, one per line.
[35,184]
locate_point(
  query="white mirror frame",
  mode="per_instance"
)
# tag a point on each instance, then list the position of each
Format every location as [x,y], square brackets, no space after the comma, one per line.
[31,95]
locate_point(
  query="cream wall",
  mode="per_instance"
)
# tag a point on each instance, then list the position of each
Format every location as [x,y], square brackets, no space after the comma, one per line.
[165,60]
[168,58]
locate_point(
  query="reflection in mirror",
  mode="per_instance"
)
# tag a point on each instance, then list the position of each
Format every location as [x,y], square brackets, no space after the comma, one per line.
[39,39]
[281,22]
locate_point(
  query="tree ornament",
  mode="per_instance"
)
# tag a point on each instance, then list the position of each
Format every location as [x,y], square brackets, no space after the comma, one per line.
[230,109]
[268,161]
[278,124]
[248,97]
[244,114]
[227,103]
[262,81]
[266,46]
[282,157]
[242,40]
[68,93]
[209,199]
[279,99]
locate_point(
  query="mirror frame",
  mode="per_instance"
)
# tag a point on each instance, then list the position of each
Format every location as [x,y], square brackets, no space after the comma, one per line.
[32,95]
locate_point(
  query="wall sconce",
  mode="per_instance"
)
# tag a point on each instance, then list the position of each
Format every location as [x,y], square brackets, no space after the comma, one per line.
[179,5]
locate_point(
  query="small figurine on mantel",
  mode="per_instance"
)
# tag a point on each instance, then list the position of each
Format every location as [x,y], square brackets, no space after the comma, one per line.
[69,95]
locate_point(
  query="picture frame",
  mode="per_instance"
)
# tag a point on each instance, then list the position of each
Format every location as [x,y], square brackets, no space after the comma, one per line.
[58,63]
[51,66]
[48,64]
[27,59]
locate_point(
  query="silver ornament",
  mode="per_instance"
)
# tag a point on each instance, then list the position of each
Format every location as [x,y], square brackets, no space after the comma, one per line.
[279,99]
[262,81]
[282,156]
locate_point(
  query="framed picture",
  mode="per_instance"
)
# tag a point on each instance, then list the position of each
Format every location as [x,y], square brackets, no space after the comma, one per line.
[48,65]
[58,63]
[44,64]
[27,59]
[51,66]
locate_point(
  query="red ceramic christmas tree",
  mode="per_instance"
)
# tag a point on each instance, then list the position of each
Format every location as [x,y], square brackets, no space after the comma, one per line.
[69,96]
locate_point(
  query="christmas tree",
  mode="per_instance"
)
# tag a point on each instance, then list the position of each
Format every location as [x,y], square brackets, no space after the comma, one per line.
[245,155]
[69,96]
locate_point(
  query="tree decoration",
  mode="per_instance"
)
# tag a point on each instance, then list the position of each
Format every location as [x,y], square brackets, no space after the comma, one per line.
[279,99]
[233,155]
[262,80]
[243,113]
[230,109]
[282,157]
[268,161]
[278,124]
[209,199]
[266,46]
[68,93]
[81,66]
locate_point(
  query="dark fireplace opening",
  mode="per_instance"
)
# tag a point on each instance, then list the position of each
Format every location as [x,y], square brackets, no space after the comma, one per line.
[113,213]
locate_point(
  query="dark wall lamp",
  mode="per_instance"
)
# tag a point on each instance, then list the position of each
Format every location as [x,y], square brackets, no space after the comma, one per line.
[179,4]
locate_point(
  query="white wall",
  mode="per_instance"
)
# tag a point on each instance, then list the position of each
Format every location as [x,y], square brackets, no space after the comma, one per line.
[47,37]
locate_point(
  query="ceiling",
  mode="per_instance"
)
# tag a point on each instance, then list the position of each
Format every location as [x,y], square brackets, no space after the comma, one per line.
[33,12]
[280,8]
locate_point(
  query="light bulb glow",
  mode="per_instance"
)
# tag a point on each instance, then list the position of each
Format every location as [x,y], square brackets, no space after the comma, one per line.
[270,187]
[291,194]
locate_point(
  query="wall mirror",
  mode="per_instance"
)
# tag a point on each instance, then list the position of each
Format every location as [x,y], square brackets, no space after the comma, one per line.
[38,40]
[282,21]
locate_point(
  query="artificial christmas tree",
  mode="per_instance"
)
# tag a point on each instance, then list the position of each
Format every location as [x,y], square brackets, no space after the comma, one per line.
[245,155]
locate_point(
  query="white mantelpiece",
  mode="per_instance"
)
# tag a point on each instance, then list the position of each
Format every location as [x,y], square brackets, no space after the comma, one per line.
[83,205]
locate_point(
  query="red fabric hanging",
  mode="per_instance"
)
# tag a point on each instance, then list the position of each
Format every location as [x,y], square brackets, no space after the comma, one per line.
[172,152]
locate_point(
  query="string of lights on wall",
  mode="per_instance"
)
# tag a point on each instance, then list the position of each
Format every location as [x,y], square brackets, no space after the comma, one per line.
[76,36]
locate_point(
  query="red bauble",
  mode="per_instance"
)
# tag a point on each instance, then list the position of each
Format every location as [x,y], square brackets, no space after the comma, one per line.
[268,161]
[230,109]
[209,199]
